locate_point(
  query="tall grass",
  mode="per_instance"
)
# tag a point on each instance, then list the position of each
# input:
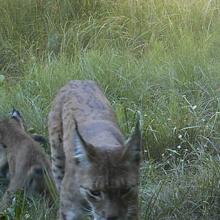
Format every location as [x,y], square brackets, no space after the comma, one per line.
[160,57]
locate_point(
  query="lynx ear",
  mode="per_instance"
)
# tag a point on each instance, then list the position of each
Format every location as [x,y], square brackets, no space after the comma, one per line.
[133,144]
[15,114]
[84,153]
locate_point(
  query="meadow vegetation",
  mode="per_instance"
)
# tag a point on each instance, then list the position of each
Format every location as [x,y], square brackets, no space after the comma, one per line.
[160,57]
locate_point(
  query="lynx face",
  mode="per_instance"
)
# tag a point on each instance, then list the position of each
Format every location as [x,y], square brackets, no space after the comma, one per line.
[95,170]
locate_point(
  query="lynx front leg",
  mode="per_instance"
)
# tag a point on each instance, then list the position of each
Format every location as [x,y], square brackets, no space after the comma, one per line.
[16,183]
[6,200]
[70,208]
[69,213]
[56,144]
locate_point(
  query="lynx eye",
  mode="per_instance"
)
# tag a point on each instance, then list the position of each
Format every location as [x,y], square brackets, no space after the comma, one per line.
[94,193]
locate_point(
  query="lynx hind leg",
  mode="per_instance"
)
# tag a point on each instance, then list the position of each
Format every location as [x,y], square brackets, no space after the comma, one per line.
[56,145]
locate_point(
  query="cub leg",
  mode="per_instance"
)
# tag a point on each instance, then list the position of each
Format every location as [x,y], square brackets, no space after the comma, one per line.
[56,145]
[70,207]
[16,183]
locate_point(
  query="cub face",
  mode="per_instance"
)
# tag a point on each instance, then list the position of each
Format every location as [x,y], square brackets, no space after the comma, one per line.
[108,181]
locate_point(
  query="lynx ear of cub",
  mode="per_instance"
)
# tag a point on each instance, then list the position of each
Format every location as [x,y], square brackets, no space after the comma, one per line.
[15,113]
[133,144]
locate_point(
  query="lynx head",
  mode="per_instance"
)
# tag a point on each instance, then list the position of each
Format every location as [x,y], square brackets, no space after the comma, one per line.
[7,125]
[108,177]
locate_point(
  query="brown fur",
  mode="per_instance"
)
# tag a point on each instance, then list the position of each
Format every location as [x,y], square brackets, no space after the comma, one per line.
[95,170]
[3,162]
[4,169]
[27,162]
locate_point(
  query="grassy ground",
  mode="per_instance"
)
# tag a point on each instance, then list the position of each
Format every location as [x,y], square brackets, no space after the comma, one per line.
[160,57]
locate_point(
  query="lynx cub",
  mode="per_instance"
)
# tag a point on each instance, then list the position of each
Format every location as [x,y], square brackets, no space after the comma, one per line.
[95,169]
[4,169]
[27,162]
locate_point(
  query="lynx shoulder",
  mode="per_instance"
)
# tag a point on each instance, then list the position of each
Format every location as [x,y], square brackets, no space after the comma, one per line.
[94,168]
[28,164]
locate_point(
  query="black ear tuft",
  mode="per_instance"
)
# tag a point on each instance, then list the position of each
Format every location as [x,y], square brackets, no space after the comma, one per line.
[133,143]
[15,114]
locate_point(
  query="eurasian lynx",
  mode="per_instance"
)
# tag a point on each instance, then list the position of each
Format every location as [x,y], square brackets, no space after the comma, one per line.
[28,164]
[4,169]
[95,169]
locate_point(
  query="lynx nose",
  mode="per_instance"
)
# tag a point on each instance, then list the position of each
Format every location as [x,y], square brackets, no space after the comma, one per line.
[112,218]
